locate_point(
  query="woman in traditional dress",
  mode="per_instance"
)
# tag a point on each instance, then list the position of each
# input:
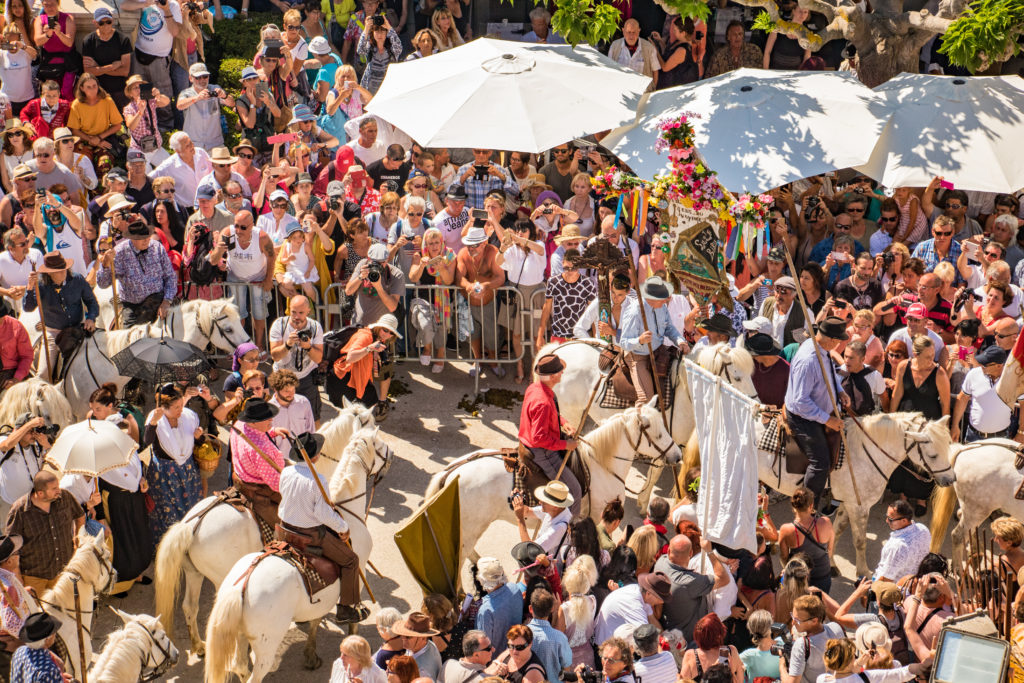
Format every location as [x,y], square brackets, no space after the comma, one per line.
[174,483]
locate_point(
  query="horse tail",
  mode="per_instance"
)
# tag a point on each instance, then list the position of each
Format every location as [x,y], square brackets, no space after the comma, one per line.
[169,556]
[222,631]
[943,505]
[691,457]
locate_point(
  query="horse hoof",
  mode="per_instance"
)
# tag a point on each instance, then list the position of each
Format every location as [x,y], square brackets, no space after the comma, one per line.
[312,664]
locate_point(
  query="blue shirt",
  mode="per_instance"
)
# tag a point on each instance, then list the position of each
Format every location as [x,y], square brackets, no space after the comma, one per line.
[551,647]
[67,305]
[823,248]
[34,666]
[500,610]
[478,189]
[807,393]
[926,252]
[658,322]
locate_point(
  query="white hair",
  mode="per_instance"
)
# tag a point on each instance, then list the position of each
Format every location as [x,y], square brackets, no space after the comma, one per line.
[387,617]
[540,13]
[177,138]
[412,202]
[1008,221]
[42,145]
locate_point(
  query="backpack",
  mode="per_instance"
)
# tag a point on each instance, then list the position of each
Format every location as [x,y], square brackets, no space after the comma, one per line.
[334,342]
[900,647]
[198,268]
[856,386]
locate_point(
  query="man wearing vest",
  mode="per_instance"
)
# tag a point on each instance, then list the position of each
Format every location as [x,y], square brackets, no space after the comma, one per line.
[635,52]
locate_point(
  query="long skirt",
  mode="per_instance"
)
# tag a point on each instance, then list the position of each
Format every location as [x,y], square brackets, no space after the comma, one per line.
[175,490]
[126,514]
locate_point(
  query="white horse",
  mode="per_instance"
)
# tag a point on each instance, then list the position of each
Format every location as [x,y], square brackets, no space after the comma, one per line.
[211,546]
[608,450]
[38,397]
[275,595]
[986,481]
[139,651]
[874,454]
[581,374]
[197,322]
[92,566]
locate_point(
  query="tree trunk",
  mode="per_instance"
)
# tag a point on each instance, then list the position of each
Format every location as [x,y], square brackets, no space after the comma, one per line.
[889,48]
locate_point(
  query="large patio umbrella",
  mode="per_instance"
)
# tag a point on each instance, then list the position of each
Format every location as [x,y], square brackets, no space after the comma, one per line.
[501,94]
[968,130]
[760,129]
[91,448]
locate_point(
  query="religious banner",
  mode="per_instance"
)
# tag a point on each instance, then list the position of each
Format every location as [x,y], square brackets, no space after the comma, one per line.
[693,257]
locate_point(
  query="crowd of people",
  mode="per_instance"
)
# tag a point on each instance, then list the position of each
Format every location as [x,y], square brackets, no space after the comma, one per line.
[116,172]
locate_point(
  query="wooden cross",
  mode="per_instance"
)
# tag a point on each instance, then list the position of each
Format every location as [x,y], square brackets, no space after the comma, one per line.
[605,258]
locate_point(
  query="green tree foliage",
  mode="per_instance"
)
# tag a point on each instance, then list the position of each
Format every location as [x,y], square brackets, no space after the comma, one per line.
[594,22]
[988,32]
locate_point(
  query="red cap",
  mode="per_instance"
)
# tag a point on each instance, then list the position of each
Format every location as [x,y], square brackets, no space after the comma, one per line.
[917,310]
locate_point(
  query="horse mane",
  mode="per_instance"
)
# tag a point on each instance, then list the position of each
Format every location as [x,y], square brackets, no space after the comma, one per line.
[352,465]
[83,563]
[122,657]
[119,340]
[40,398]
[712,358]
[338,431]
[599,443]
[890,427]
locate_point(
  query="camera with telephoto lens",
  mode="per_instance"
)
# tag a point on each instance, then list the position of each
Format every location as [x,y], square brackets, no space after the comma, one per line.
[378,20]
[248,393]
[888,258]
[811,206]
[304,335]
[588,675]
[785,648]
[374,271]
[47,430]
[334,202]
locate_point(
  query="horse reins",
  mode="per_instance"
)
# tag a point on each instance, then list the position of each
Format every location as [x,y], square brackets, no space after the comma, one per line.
[909,445]
[157,669]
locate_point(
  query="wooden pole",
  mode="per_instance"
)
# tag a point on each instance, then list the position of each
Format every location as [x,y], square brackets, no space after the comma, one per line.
[259,451]
[114,299]
[42,321]
[579,427]
[327,499]
[82,674]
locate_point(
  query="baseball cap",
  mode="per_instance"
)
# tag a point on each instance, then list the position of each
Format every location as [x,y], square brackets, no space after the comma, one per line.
[102,13]
[377,252]
[248,72]
[135,155]
[917,310]
[206,192]
[198,69]
[395,153]
[303,178]
[777,254]
[117,174]
[335,188]
[888,594]
[759,324]
[319,46]
[278,194]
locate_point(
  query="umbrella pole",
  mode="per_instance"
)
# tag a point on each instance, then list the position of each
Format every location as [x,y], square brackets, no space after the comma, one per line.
[83,676]
[42,321]
[259,451]
[327,499]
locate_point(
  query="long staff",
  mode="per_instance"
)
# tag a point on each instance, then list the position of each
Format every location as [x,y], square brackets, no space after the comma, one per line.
[81,639]
[42,321]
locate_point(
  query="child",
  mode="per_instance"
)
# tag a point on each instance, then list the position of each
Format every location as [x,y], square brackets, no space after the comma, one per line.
[297,255]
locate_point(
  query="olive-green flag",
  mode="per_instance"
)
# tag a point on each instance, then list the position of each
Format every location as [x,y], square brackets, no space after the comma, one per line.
[431,542]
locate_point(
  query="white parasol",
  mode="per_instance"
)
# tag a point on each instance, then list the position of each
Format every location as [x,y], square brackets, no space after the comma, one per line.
[91,448]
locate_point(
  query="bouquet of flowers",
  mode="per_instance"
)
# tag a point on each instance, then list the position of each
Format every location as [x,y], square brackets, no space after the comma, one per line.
[615,181]
[676,134]
[751,210]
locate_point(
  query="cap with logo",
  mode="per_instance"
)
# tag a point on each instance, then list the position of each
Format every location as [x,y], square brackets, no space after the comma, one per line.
[198,69]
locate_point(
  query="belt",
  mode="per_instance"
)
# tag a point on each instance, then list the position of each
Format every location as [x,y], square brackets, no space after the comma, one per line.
[988,435]
[309,531]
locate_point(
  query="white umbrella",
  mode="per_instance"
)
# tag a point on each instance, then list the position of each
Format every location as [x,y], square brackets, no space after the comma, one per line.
[500,94]
[760,129]
[91,448]
[968,130]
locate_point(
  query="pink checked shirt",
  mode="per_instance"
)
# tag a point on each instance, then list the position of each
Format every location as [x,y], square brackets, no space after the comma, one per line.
[250,465]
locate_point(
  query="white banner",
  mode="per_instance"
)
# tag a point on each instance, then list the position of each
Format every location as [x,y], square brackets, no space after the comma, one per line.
[727,505]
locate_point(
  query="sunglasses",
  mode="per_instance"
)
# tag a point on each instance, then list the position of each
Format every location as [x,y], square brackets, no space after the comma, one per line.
[889,219]
[242,227]
[414,213]
[16,132]
[292,28]
[489,648]
[893,519]
[851,210]
[1005,336]
[43,155]
[473,247]
[518,648]
[243,155]
[896,355]
[843,226]
[419,186]
[561,151]
[107,22]
[954,206]
[19,244]
[943,234]
[167,190]
[237,195]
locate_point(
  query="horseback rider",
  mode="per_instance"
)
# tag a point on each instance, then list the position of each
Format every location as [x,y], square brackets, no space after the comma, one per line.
[543,432]
[304,511]
[147,278]
[655,294]
[68,302]
[808,406]
[252,452]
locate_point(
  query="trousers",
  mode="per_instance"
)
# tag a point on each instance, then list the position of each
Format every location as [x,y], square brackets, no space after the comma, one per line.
[340,553]
[549,462]
[640,371]
[142,313]
[810,437]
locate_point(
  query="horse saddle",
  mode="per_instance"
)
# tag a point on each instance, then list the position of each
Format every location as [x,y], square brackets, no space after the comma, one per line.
[311,577]
[778,441]
[325,571]
[262,502]
[68,342]
[528,476]
[231,496]
[619,390]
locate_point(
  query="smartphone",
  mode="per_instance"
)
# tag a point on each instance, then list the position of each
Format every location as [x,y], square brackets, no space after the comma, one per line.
[52,21]
[282,138]
[970,249]
[946,185]
[260,89]
[5,45]
[840,303]
[146,90]
[480,215]
[840,256]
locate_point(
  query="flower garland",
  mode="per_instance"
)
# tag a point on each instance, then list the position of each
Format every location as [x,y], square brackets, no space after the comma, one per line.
[615,181]
[750,210]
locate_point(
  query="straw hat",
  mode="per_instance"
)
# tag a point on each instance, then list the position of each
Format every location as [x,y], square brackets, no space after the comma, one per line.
[554,493]
[535,180]
[221,155]
[569,233]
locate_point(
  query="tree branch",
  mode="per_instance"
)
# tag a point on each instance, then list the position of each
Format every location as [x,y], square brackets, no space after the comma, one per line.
[821,7]
[926,21]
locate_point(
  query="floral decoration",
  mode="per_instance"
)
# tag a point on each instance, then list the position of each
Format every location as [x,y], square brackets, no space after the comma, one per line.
[752,210]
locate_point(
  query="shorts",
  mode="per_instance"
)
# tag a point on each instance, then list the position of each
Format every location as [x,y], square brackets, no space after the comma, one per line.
[485,322]
[512,316]
[259,298]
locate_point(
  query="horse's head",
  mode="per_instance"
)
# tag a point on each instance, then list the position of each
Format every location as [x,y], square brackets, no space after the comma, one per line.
[363,415]
[38,397]
[383,456]
[735,364]
[221,324]
[652,439]
[927,445]
[99,562]
[159,652]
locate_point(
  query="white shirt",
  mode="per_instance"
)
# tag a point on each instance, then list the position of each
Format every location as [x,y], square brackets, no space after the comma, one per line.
[451,228]
[17,471]
[552,529]
[302,505]
[276,230]
[658,668]
[1011,309]
[528,267]
[154,38]
[988,412]
[368,155]
[622,606]
[186,179]
[14,274]
[903,335]
[211,180]
[177,442]
[16,75]
[296,417]
[722,599]
[873,378]
[903,551]
[369,674]
[297,360]
[874,676]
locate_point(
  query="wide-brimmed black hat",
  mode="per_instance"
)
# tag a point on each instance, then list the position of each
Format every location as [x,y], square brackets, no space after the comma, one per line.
[526,552]
[761,344]
[258,410]
[139,229]
[310,442]
[8,546]
[38,626]
[719,322]
[833,328]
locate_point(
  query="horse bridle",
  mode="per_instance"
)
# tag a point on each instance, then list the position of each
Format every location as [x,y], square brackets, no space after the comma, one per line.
[372,478]
[215,324]
[643,433]
[76,577]
[151,672]
[909,444]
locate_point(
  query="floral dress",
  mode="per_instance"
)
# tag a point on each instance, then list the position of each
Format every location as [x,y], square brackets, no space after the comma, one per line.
[173,476]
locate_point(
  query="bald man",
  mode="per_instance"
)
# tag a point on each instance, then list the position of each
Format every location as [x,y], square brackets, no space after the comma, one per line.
[689,588]
[636,53]
[297,344]
[47,519]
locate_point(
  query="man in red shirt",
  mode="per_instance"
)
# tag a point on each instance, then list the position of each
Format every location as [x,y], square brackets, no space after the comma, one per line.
[15,348]
[543,431]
